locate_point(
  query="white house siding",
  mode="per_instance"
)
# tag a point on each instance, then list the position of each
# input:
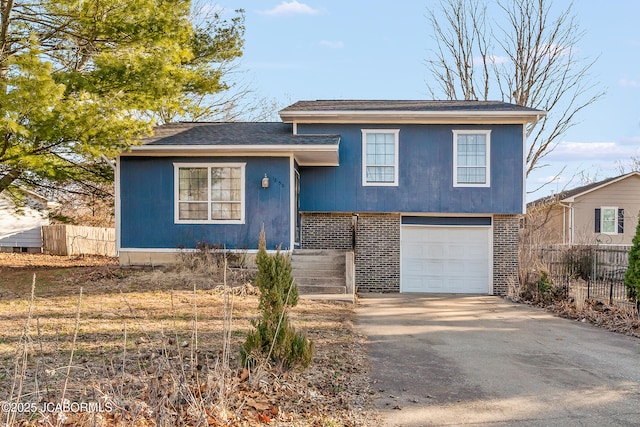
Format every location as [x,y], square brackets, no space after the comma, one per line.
[20,229]
[623,194]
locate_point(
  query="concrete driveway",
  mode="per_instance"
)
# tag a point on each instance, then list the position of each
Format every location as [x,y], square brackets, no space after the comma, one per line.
[460,360]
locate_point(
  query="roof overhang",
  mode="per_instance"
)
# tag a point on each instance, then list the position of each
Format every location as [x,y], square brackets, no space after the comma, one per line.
[305,155]
[411,117]
[573,198]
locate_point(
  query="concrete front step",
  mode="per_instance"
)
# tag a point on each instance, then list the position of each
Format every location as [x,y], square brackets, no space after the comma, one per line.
[307,260]
[312,272]
[340,297]
[319,280]
[321,289]
[318,252]
[319,271]
[322,269]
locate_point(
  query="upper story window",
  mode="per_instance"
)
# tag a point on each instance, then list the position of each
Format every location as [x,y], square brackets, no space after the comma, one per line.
[471,158]
[380,157]
[609,220]
[209,193]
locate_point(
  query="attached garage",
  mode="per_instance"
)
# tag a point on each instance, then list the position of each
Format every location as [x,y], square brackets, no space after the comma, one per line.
[446,255]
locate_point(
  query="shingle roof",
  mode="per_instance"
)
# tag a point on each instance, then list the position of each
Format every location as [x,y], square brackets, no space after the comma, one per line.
[405,105]
[255,133]
[580,190]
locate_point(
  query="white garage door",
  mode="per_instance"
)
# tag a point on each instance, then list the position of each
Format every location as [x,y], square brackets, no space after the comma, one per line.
[446,259]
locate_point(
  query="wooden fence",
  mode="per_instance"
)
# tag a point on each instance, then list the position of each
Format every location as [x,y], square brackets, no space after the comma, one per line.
[78,240]
[598,269]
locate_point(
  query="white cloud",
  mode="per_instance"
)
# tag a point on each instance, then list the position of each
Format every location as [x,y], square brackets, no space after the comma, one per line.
[633,140]
[491,59]
[568,151]
[576,161]
[628,83]
[554,50]
[331,44]
[291,8]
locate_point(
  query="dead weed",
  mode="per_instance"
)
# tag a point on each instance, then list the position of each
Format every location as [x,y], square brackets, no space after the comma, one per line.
[148,348]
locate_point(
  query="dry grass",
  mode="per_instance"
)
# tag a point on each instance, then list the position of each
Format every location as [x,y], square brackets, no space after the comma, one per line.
[623,320]
[149,345]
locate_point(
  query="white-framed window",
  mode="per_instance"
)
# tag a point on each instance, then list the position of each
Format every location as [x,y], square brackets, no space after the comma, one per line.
[209,193]
[609,220]
[380,157]
[471,158]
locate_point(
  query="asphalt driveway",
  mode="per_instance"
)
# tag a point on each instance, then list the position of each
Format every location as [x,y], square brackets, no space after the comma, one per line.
[462,360]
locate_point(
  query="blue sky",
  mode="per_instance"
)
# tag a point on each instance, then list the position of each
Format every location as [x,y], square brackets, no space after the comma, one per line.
[339,49]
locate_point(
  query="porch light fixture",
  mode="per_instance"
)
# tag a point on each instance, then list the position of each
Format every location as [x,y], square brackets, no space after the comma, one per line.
[265,181]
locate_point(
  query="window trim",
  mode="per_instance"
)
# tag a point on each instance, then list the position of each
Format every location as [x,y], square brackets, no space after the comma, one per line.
[616,209]
[487,134]
[365,183]
[176,193]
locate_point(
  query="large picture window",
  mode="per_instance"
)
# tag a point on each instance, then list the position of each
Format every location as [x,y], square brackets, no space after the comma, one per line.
[209,193]
[380,157]
[471,158]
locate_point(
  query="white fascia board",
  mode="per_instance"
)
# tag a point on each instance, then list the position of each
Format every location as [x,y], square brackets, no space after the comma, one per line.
[332,163]
[188,150]
[328,154]
[431,117]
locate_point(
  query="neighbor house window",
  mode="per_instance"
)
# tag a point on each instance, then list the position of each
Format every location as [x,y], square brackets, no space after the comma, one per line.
[209,193]
[380,157]
[471,158]
[609,220]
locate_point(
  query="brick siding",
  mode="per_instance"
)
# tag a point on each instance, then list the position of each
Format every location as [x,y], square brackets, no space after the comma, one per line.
[505,252]
[377,245]
[378,253]
[326,231]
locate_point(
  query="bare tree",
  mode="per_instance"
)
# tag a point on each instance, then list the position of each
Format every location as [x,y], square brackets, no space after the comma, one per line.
[524,55]
[628,166]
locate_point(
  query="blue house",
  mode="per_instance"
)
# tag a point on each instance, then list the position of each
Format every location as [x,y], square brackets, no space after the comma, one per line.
[428,194]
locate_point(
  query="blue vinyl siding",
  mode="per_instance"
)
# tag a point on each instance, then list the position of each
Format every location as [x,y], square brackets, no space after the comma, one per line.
[425,173]
[147,205]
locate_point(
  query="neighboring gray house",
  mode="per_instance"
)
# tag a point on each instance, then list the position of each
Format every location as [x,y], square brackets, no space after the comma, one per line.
[21,226]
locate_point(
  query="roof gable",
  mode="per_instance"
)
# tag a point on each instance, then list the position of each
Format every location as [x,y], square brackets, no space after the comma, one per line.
[237,133]
[239,138]
[569,196]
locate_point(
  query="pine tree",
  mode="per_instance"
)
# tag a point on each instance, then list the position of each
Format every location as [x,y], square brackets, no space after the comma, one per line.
[273,336]
[632,276]
[80,81]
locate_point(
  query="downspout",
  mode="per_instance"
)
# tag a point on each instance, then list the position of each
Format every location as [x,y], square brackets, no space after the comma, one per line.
[564,223]
[354,231]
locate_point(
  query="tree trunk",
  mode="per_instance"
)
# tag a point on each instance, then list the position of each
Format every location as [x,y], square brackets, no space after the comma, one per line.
[8,179]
